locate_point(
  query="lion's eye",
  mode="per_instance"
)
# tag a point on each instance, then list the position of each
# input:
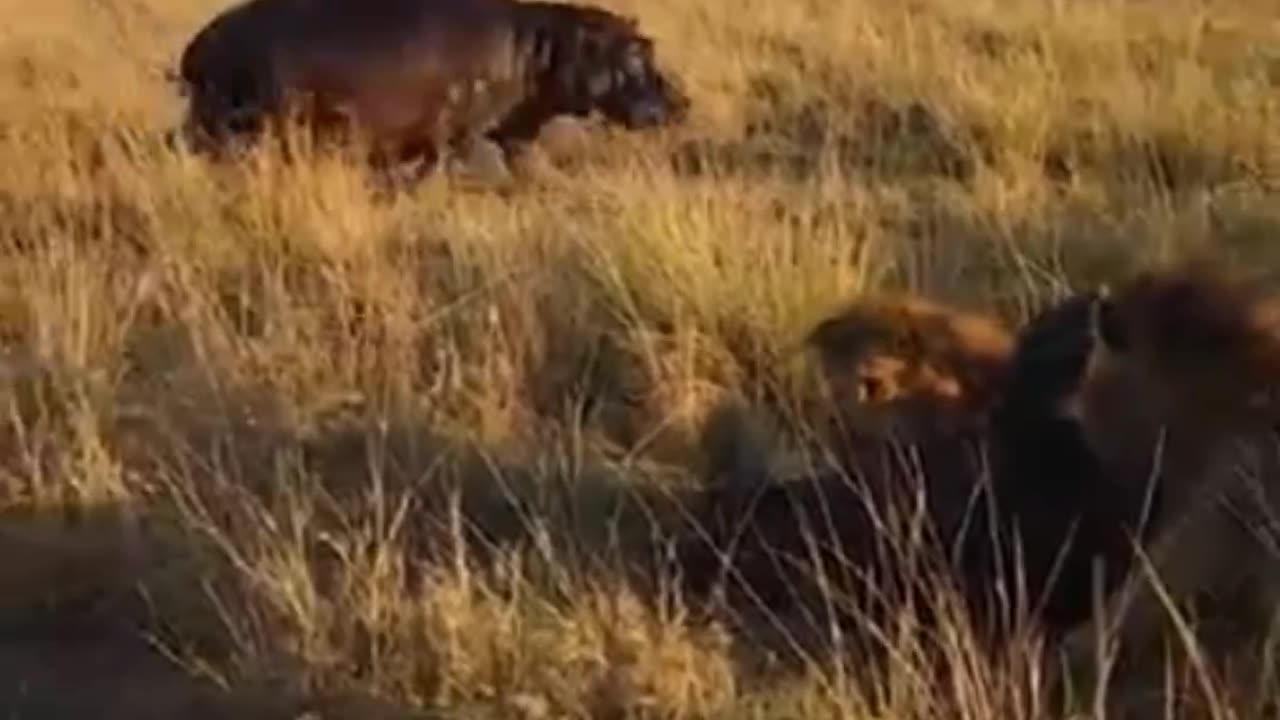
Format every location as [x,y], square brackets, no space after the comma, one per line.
[870,389]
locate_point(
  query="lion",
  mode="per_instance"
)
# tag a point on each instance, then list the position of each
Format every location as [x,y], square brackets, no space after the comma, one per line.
[1180,393]
[913,384]
[981,410]
[955,384]
[907,364]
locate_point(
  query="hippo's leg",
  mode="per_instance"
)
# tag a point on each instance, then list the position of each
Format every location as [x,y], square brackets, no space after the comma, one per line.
[513,148]
[526,157]
[404,166]
[487,161]
[218,132]
[479,158]
[232,109]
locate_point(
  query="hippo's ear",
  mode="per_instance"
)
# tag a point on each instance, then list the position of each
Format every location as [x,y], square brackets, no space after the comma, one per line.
[587,42]
[174,78]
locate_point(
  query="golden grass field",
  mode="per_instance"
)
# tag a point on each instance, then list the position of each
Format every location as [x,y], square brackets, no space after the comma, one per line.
[237,399]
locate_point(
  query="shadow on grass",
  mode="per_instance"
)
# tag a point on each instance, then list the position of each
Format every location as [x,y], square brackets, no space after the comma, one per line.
[303,533]
[80,637]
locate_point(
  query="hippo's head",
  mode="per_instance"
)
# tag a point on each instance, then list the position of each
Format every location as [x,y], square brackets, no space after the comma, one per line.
[628,88]
[605,64]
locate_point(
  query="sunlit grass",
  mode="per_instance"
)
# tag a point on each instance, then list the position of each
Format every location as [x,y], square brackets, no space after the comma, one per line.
[284,369]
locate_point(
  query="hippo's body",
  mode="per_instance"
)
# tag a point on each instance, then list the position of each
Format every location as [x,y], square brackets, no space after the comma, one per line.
[414,77]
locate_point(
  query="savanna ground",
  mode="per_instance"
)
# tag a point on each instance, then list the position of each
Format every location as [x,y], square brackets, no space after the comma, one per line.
[240,402]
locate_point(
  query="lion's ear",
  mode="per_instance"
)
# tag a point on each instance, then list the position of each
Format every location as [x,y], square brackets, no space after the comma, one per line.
[1095,319]
[1104,336]
[1105,328]
[825,334]
[1070,407]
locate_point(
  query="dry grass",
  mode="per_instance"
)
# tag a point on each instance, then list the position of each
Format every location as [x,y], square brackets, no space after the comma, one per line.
[250,391]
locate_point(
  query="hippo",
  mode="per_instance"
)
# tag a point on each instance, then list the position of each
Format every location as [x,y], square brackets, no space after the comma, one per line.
[419,79]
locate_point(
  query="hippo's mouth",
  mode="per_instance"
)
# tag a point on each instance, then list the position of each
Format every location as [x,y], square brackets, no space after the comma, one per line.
[650,110]
[646,114]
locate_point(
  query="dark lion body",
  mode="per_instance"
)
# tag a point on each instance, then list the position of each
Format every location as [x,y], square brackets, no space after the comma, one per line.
[414,77]
[1017,469]
[1182,387]
[1061,513]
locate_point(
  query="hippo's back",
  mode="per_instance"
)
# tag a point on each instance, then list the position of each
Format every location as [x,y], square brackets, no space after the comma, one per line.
[391,66]
[286,38]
